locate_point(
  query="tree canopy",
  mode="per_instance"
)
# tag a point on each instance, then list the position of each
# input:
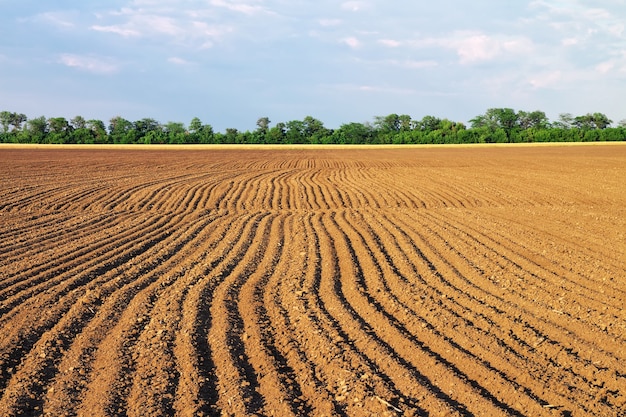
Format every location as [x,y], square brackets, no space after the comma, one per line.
[496,125]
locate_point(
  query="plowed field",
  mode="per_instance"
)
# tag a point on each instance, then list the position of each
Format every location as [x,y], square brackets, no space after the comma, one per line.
[476,281]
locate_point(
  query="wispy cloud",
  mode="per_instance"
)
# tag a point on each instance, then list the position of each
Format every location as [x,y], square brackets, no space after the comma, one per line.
[183,29]
[179,61]
[90,63]
[351,41]
[240,7]
[62,20]
[119,30]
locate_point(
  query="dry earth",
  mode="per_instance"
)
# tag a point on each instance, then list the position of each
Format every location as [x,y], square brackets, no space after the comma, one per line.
[474,281]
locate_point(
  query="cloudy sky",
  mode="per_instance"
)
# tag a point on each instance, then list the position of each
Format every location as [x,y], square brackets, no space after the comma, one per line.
[230,62]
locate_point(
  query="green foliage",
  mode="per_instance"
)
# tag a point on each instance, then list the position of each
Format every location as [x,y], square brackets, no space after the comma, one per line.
[496,125]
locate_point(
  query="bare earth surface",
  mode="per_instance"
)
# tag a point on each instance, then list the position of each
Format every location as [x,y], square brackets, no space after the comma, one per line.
[447,281]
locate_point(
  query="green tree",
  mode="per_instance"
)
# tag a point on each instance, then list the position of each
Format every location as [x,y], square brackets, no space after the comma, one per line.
[263,124]
[535,119]
[276,134]
[231,135]
[354,133]
[314,130]
[98,130]
[199,132]
[176,133]
[295,131]
[427,124]
[17,119]
[78,122]
[37,129]
[600,121]
[121,130]
[389,123]
[5,120]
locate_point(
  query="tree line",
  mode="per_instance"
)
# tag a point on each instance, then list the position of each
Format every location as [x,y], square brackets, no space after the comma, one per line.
[496,125]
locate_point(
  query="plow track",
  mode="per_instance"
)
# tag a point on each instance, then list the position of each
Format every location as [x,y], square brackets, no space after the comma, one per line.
[461,282]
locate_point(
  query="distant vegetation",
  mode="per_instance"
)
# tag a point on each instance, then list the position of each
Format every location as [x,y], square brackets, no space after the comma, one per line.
[497,125]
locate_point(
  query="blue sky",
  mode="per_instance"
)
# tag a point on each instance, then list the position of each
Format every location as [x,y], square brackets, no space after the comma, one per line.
[230,62]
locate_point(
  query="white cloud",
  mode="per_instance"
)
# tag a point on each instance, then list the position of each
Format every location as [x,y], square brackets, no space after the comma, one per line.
[89,63]
[475,48]
[179,61]
[352,42]
[245,8]
[549,79]
[63,20]
[178,29]
[390,43]
[119,30]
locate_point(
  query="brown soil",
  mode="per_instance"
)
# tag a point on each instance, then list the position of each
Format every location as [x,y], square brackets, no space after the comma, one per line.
[348,282]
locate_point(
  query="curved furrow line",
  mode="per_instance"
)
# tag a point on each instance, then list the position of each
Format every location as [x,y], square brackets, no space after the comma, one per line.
[363,189]
[39,366]
[95,257]
[545,296]
[608,257]
[278,387]
[346,364]
[46,246]
[328,199]
[198,390]
[16,224]
[37,315]
[511,335]
[443,303]
[339,279]
[194,195]
[341,185]
[97,372]
[406,191]
[199,201]
[306,197]
[164,197]
[296,183]
[536,332]
[272,191]
[157,368]
[335,376]
[362,194]
[125,198]
[389,182]
[418,356]
[240,185]
[36,200]
[276,191]
[290,190]
[471,191]
[338,189]
[448,335]
[450,196]
[295,341]
[542,275]
[238,383]
[80,200]
[320,196]
[32,236]
[547,315]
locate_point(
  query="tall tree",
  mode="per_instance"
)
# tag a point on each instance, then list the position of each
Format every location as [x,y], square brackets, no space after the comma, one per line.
[5,120]
[263,124]
[535,119]
[78,122]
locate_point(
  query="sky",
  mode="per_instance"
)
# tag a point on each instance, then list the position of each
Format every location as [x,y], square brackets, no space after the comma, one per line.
[231,62]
